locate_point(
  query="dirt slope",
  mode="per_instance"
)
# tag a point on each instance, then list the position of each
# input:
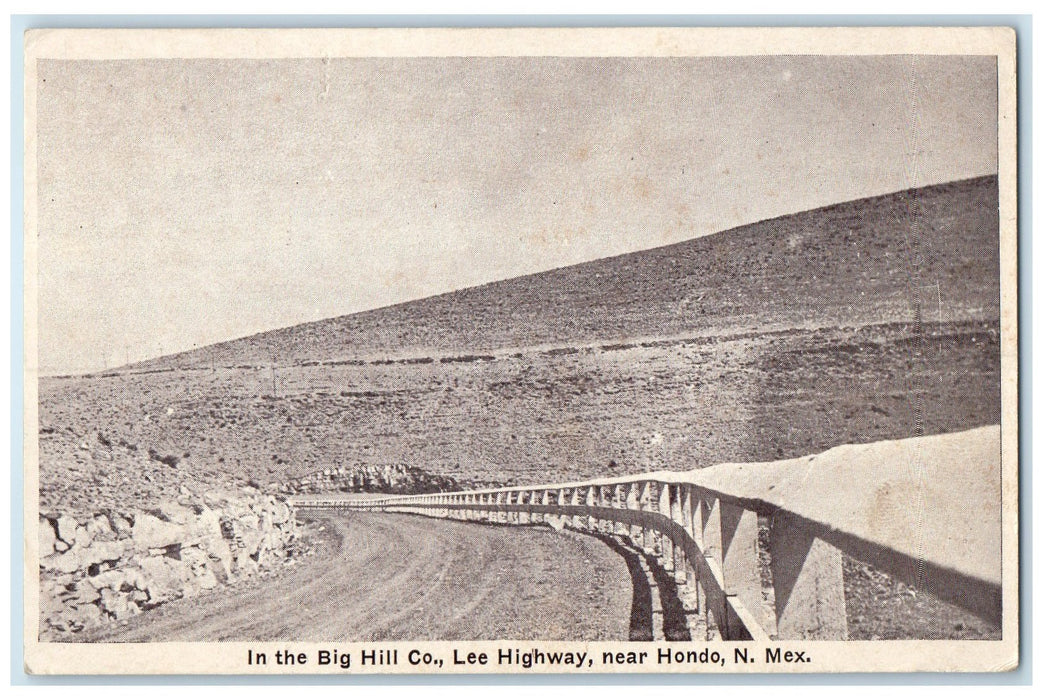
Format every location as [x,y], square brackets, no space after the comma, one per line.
[388,577]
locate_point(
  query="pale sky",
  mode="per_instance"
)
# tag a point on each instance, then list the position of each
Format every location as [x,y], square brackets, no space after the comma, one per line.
[184,202]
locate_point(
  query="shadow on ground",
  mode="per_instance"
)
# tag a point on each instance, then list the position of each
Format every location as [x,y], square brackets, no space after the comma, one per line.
[675,626]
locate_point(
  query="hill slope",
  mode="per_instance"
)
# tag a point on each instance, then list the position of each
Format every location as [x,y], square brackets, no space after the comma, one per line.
[849,264]
[789,337]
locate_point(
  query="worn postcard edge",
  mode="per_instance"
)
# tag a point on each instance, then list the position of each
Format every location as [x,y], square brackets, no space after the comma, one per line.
[229,658]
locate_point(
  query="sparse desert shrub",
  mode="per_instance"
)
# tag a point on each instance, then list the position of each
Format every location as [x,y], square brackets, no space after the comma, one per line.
[169,460]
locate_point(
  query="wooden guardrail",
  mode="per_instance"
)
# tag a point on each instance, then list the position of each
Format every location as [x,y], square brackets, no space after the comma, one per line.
[924,510]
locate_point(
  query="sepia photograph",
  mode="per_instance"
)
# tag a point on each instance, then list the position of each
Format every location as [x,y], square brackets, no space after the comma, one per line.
[520,350]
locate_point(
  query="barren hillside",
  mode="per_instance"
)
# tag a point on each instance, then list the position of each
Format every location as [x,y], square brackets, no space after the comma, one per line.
[858,322]
[848,264]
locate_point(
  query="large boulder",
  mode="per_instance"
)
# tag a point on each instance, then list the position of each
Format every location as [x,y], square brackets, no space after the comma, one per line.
[82,537]
[199,564]
[66,529]
[250,537]
[206,524]
[80,559]
[245,565]
[75,619]
[117,605]
[100,529]
[84,592]
[113,578]
[150,532]
[220,554]
[66,562]
[51,592]
[133,577]
[280,513]
[99,552]
[176,513]
[121,525]
[47,537]
[164,579]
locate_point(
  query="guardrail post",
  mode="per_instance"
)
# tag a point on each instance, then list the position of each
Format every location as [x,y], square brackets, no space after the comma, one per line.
[677,501]
[634,503]
[576,520]
[740,564]
[692,509]
[545,501]
[808,577]
[509,498]
[648,535]
[620,502]
[666,544]
[605,525]
[591,522]
[561,519]
[598,501]
[713,604]
[524,498]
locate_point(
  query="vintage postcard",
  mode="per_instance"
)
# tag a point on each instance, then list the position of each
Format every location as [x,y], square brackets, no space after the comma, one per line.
[487,351]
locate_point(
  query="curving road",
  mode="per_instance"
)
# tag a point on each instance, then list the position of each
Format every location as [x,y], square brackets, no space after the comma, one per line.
[382,576]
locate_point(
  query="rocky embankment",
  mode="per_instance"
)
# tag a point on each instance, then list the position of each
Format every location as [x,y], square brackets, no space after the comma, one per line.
[109,567]
[372,478]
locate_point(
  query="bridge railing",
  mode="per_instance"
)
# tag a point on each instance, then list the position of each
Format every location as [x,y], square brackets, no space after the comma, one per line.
[924,510]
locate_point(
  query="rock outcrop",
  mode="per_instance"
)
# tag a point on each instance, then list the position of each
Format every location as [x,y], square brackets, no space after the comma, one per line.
[372,478]
[111,566]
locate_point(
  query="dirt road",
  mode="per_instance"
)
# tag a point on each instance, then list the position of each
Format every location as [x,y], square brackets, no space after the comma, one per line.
[377,576]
